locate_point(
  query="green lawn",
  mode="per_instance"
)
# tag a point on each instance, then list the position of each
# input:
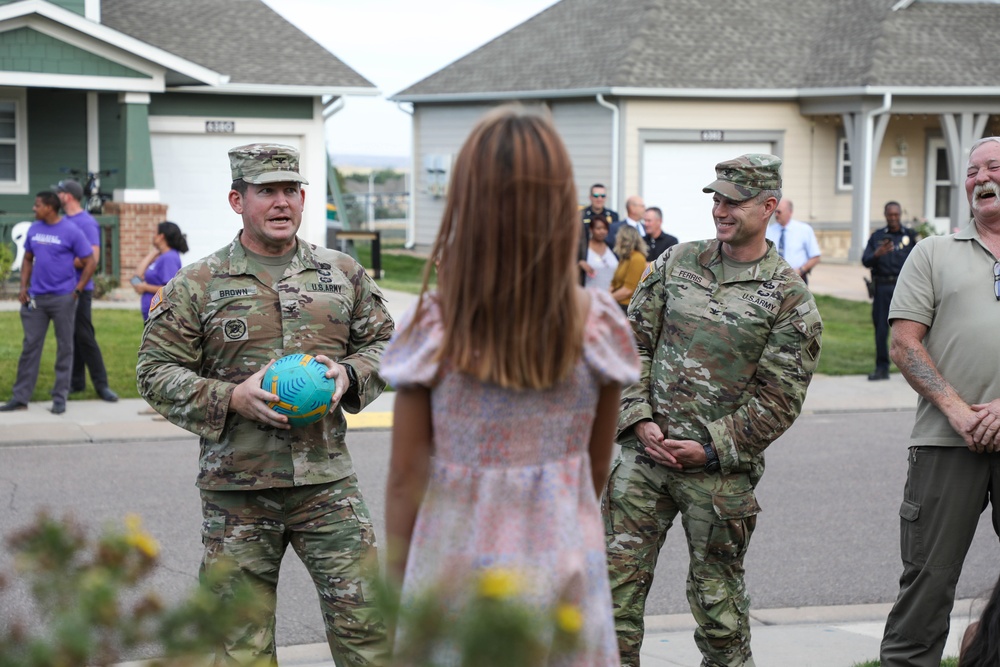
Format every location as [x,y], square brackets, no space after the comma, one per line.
[848,336]
[848,346]
[404,273]
[118,334]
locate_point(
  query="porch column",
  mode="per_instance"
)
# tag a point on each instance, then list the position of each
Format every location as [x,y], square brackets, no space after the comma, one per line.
[136,176]
[864,131]
[961,130]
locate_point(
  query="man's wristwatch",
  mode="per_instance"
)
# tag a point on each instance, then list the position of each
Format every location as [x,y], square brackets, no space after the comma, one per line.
[711,459]
[78,292]
[352,377]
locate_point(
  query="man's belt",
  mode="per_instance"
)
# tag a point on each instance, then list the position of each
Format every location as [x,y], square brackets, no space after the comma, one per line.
[885,280]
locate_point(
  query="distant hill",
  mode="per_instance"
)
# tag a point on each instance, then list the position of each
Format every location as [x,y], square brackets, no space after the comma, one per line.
[370,162]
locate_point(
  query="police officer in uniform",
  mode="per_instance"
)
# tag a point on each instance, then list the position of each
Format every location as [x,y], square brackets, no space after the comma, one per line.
[885,254]
[598,197]
[212,331]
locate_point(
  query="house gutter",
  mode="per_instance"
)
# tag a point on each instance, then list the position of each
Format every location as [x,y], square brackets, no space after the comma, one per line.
[704,93]
[615,121]
[411,218]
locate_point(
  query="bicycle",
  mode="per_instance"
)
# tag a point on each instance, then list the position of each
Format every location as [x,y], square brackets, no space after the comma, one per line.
[93,197]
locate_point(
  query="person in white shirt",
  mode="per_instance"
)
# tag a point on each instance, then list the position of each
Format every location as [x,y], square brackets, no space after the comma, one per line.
[635,208]
[601,261]
[794,239]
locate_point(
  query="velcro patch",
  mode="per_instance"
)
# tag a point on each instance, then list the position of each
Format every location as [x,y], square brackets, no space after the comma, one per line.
[232,292]
[156,302]
[766,303]
[812,348]
[235,329]
[691,277]
[324,287]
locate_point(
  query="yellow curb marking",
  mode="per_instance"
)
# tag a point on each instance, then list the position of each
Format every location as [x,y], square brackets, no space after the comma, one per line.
[370,420]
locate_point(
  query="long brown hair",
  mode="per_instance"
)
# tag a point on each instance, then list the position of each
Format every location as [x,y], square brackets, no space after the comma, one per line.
[506,254]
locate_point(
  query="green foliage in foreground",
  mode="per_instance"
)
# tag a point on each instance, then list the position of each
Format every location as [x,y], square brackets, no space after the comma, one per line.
[848,337]
[96,601]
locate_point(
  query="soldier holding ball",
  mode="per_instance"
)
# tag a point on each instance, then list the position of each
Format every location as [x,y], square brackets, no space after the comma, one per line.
[211,333]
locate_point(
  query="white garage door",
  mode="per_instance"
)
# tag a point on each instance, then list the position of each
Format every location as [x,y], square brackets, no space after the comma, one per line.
[673,174]
[193,178]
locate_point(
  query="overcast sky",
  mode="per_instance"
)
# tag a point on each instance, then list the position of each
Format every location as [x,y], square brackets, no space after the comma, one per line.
[393,44]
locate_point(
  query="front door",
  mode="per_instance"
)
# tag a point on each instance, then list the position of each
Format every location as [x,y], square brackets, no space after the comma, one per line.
[937,204]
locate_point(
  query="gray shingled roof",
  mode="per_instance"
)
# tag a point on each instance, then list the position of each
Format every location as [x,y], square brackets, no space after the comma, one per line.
[245,39]
[731,44]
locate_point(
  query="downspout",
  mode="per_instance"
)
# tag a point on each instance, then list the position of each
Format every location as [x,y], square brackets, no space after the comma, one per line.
[411,219]
[332,106]
[615,120]
[866,215]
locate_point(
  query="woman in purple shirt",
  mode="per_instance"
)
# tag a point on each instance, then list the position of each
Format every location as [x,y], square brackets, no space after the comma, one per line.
[160,265]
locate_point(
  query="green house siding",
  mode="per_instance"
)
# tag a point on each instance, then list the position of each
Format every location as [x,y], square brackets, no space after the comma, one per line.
[78,6]
[110,137]
[27,50]
[231,106]
[57,137]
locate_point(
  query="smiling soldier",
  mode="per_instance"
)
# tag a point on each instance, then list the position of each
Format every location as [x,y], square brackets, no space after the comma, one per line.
[729,337]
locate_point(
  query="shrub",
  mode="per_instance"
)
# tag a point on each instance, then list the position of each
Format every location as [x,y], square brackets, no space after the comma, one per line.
[94,604]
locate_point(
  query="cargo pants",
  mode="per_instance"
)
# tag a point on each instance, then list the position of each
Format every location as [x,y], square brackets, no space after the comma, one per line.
[329,527]
[947,489]
[718,513]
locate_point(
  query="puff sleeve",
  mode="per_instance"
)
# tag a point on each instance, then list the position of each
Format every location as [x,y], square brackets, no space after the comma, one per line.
[608,344]
[411,357]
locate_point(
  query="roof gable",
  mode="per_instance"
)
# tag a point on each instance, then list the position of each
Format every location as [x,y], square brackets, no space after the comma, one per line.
[245,39]
[591,46]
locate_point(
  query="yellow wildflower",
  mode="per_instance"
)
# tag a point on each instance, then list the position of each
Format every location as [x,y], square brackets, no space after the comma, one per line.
[499,583]
[138,538]
[569,619]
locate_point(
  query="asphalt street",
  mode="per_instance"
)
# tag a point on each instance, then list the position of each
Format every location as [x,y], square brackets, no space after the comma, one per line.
[828,533]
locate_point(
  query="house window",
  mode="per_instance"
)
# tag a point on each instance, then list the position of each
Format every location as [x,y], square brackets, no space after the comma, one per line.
[844,181]
[13,144]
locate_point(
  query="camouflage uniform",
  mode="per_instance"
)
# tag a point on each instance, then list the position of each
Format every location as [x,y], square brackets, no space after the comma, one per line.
[215,324]
[725,363]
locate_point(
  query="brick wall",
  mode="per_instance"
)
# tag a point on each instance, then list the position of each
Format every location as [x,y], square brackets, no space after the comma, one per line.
[136,229]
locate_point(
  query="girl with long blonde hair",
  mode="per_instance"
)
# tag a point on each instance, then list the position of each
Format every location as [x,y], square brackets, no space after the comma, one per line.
[507,380]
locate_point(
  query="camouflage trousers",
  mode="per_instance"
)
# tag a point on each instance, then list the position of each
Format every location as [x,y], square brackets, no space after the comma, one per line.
[329,527]
[718,513]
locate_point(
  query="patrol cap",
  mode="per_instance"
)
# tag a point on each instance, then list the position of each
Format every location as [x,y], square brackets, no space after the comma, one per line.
[265,163]
[72,187]
[744,177]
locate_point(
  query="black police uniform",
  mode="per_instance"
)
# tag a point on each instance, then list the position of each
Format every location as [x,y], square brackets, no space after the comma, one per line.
[588,215]
[885,270]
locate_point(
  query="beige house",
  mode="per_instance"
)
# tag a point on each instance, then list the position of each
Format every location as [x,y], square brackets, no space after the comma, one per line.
[866,101]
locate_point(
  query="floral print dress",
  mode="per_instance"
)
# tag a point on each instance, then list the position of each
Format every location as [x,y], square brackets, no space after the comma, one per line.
[510,484]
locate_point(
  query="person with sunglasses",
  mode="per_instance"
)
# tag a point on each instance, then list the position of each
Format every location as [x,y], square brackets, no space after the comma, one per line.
[944,316]
[885,253]
[597,208]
